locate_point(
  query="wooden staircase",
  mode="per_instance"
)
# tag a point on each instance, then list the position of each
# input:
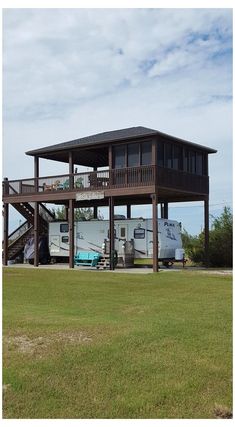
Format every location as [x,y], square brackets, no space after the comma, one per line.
[104,263]
[18,238]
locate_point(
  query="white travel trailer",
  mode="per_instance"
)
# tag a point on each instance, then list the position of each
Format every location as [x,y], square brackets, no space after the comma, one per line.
[91,235]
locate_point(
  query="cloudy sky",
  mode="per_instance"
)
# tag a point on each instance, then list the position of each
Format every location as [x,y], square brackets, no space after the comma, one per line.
[69,73]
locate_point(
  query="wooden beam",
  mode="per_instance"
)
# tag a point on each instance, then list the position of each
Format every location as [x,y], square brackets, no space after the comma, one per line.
[128,211]
[36,234]
[36,172]
[66,213]
[95,212]
[165,210]
[5,232]
[71,165]
[155,232]
[206,231]
[71,233]
[111,232]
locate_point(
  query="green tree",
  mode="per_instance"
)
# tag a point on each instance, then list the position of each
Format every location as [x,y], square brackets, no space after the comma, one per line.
[81,214]
[221,238]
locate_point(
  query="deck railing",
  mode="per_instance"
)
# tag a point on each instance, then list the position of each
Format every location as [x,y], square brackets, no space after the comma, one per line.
[109,179]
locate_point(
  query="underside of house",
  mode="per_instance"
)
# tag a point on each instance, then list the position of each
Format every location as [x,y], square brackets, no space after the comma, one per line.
[133,166]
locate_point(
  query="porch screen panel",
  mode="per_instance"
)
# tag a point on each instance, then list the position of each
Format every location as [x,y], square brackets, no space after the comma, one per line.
[146,153]
[133,155]
[119,156]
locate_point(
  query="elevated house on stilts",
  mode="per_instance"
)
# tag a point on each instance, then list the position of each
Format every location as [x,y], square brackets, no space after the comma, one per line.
[131,166]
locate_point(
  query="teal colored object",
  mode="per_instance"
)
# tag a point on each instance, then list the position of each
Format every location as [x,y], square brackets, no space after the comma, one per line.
[87,258]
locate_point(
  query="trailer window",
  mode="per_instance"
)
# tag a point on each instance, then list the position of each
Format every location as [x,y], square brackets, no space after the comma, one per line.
[123,232]
[64,239]
[64,228]
[139,233]
[114,233]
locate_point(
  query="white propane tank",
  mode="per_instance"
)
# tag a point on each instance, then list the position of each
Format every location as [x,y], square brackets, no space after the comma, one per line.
[179,254]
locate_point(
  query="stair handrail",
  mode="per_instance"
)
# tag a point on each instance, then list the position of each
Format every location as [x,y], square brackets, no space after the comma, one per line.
[19,237]
[46,213]
[20,231]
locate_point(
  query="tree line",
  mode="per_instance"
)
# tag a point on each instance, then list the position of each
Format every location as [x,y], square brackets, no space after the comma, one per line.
[221,242]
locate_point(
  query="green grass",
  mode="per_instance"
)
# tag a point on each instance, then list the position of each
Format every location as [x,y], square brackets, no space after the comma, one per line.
[104,345]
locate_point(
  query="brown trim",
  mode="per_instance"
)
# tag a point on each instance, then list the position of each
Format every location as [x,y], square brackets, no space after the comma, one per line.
[206,230]
[165,210]
[71,233]
[71,171]
[155,231]
[5,232]
[36,234]
[128,211]
[111,233]
[95,212]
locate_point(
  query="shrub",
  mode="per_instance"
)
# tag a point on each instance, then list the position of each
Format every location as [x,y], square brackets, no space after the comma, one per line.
[221,238]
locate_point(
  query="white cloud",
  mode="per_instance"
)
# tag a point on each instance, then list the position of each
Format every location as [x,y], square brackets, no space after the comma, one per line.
[71,73]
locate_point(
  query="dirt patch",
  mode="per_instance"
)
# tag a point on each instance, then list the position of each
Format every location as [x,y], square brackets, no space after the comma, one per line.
[222,412]
[24,344]
[6,387]
[219,272]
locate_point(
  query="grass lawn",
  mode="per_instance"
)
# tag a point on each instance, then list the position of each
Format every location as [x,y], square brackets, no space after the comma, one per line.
[80,344]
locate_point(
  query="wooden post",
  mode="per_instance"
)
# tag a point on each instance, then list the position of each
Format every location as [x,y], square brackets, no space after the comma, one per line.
[111,232]
[95,212]
[110,165]
[36,234]
[155,232]
[165,210]
[71,233]
[5,232]
[66,213]
[36,173]
[71,164]
[128,211]
[206,230]
[5,187]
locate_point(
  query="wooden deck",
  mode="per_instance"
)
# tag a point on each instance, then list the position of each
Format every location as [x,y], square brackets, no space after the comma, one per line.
[126,181]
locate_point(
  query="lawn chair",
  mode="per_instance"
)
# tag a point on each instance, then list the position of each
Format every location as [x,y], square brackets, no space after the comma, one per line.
[79,182]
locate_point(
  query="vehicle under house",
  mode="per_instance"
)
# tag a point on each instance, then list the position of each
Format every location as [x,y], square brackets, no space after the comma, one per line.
[133,166]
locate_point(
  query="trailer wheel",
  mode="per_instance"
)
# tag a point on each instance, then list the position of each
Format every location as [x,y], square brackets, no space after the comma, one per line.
[44,261]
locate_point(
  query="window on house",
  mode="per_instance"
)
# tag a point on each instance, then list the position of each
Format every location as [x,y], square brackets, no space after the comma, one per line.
[177,157]
[192,163]
[186,161]
[160,154]
[199,164]
[168,155]
[133,155]
[146,153]
[119,156]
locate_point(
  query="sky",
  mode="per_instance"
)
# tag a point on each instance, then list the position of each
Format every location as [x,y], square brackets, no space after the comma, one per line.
[69,73]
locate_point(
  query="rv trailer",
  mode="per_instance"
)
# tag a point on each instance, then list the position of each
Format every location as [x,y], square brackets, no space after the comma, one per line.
[92,235]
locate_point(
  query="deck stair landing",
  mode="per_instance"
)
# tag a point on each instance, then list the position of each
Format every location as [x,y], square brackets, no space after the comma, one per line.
[18,238]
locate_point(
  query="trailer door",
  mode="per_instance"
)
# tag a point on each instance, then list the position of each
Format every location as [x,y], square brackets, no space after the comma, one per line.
[122,236]
[54,245]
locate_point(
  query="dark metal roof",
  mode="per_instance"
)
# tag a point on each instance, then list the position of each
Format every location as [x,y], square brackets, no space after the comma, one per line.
[110,137]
